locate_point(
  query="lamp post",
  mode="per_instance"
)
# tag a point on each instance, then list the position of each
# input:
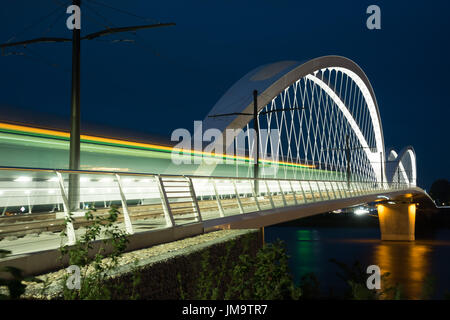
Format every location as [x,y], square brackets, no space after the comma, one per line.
[348,155]
[347,150]
[381,168]
[74,156]
[255,115]
[74,153]
[256,127]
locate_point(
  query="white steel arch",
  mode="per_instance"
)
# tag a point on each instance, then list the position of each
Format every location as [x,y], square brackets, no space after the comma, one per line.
[401,167]
[375,156]
[312,85]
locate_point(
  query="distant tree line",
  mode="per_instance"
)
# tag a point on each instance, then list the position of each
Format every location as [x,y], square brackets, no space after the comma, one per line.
[440,192]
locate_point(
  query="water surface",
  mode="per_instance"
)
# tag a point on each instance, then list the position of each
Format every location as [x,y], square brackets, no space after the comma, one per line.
[410,264]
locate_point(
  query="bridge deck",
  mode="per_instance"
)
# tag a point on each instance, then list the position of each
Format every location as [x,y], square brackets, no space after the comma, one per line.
[156,209]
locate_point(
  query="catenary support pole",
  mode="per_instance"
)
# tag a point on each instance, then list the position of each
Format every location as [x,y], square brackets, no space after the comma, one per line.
[74,159]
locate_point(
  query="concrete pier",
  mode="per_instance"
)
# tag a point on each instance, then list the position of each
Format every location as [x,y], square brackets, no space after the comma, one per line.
[397,221]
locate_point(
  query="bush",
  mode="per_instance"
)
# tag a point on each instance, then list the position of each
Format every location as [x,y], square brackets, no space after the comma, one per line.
[96,270]
[265,276]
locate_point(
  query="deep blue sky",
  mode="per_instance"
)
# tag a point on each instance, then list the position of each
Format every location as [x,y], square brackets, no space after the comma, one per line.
[172,76]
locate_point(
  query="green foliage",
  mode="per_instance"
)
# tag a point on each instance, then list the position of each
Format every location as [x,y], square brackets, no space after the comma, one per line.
[309,286]
[96,270]
[447,295]
[205,280]
[136,281]
[265,276]
[212,277]
[180,284]
[428,287]
[389,292]
[272,278]
[356,278]
[241,281]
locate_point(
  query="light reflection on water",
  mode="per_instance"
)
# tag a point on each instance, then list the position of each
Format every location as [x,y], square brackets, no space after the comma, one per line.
[410,264]
[407,263]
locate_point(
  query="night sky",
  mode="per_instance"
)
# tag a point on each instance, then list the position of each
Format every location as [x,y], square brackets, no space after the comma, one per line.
[171,76]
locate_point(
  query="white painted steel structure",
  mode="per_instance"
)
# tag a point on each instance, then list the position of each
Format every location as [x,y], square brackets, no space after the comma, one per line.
[327,118]
[320,104]
[401,167]
[40,188]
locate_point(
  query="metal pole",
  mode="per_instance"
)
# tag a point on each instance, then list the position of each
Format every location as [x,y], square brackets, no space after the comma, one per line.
[381,168]
[261,235]
[347,151]
[74,162]
[256,125]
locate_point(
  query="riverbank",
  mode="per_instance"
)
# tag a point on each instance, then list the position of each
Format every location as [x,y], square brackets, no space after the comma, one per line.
[155,273]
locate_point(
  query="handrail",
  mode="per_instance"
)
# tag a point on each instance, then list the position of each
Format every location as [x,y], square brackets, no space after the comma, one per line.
[274,189]
[126,173]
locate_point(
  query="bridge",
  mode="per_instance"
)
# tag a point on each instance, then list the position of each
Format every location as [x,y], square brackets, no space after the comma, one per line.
[288,140]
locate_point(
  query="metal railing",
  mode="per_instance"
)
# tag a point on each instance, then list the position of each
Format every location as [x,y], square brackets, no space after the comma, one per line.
[180,199]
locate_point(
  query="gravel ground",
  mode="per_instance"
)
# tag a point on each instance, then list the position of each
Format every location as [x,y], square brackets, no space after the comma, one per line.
[128,260]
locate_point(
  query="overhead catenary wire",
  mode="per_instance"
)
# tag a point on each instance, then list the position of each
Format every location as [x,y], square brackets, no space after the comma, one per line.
[144,45]
[93,16]
[37,22]
[124,11]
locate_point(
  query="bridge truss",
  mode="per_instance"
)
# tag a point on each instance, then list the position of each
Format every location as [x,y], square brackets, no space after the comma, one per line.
[329,139]
[326,117]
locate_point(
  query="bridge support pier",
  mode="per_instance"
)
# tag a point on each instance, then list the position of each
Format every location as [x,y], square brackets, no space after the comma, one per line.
[397,221]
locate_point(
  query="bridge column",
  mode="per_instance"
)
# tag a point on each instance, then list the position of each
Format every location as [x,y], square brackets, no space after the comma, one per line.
[397,221]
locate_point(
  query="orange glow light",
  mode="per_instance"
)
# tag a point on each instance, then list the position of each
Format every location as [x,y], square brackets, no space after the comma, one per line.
[88,138]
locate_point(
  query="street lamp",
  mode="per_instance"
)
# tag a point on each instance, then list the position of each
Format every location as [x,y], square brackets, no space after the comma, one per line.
[348,157]
[74,158]
[255,115]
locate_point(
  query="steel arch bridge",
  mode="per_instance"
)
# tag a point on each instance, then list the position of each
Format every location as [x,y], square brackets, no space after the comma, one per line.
[326,115]
[328,131]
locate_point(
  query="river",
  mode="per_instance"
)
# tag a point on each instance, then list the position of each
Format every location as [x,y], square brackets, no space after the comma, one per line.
[410,264]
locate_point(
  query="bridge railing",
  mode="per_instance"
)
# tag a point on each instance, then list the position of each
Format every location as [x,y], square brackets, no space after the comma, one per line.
[152,200]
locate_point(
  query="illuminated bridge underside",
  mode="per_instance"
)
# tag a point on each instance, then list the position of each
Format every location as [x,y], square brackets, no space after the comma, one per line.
[265,218]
